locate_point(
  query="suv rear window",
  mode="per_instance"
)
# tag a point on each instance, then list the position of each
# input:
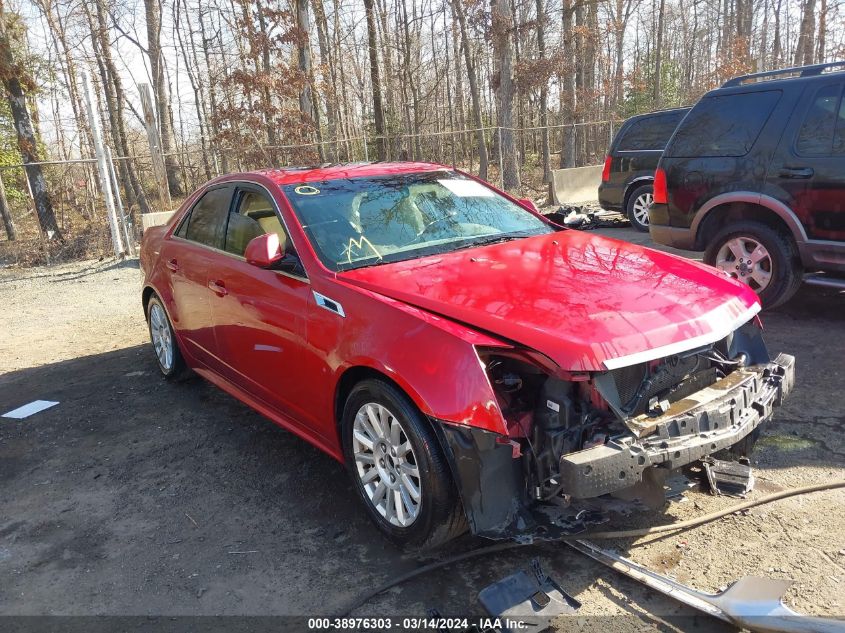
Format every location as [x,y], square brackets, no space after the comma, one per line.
[724,125]
[650,133]
[823,127]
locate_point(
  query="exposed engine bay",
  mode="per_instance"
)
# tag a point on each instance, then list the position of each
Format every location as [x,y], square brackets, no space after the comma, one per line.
[575,434]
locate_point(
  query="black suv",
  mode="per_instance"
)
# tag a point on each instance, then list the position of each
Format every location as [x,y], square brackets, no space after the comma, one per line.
[755,177]
[628,174]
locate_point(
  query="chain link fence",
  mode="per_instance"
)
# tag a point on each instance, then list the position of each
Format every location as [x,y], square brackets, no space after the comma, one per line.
[81,214]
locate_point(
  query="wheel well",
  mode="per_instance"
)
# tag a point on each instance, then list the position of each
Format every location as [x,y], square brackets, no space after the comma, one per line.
[352,377]
[633,187]
[717,217]
[145,297]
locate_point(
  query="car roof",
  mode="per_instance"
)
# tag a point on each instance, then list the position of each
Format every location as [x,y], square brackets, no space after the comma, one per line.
[655,113]
[294,175]
[782,79]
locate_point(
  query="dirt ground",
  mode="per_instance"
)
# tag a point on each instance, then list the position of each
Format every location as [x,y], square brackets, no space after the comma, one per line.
[138,497]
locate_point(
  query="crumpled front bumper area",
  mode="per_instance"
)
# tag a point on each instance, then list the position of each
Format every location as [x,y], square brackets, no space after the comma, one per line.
[712,419]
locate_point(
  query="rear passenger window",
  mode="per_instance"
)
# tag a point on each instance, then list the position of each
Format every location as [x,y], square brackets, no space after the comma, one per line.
[651,133]
[207,221]
[724,125]
[823,127]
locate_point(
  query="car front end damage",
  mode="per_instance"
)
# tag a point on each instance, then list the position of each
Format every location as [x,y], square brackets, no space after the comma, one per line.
[575,437]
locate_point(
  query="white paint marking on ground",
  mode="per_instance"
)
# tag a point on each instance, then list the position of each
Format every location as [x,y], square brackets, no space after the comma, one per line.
[29,409]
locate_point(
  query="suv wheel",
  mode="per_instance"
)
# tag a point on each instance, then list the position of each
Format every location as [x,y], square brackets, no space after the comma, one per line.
[638,205]
[760,257]
[399,471]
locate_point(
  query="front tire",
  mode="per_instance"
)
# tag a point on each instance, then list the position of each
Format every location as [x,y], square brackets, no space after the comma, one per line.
[637,207]
[169,357]
[398,468]
[760,257]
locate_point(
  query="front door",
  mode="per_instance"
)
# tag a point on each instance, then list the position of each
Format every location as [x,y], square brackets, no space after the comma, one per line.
[259,315]
[810,165]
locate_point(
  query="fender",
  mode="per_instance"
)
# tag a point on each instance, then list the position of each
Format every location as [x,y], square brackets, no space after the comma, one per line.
[638,180]
[763,200]
[438,368]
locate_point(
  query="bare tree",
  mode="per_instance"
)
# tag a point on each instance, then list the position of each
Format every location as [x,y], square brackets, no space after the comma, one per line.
[804,51]
[474,91]
[375,80]
[152,11]
[502,25]
[6,214]
[15,79]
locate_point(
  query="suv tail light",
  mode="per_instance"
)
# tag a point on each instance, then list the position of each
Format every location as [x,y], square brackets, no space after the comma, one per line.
[661,196]
[605,172]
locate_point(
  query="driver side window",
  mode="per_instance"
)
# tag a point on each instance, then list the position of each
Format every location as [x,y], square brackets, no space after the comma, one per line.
[252,215]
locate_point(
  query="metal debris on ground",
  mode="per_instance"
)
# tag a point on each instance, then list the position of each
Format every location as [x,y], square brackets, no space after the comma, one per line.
[751,603]
[586,217]
[533,598]
[733,479]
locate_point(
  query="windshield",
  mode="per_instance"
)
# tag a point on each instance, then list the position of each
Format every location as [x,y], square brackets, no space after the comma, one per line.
[355,222]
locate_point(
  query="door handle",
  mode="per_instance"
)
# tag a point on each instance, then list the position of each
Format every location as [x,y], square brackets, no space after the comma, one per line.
[218,288]
[173,265]
[796,172]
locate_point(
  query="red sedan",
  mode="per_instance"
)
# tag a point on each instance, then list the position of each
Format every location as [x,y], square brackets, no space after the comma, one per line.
[473,364]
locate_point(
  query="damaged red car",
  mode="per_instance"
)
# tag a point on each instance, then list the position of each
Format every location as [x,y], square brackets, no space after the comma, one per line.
[473,364]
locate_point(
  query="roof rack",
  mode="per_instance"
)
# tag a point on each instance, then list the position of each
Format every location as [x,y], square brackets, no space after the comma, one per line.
[801,71]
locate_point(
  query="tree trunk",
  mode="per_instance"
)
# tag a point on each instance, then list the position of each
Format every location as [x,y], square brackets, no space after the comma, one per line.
[475,94]
[326,60]
[114,97]
[6,213]
[304,63]
[212,92]
[13,81]
[375,80]
[153,16]
[822,40]
[502,25]
[567,92]
[544,93]
[804,49]
[658,56]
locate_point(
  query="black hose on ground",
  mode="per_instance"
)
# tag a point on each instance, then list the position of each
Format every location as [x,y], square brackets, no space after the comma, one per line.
[501,547]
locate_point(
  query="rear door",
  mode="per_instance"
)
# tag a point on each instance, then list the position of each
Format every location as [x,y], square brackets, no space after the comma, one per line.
[260,315]
[809,167]
[189,254]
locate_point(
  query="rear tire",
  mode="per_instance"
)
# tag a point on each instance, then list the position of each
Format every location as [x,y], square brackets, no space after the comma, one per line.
[637,206]
[378,470]
[169,357]
[753,252]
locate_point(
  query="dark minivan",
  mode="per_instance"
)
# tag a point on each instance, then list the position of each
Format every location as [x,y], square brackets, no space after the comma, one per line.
[755,177]
[628,174]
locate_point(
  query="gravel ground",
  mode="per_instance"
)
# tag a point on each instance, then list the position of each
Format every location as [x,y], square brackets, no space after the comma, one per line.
[138,497]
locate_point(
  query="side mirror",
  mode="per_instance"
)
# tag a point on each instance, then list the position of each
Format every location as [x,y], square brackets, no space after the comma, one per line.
[264,251]
[529,204]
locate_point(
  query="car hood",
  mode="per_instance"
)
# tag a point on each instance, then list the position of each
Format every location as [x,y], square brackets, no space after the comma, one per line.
[588,302]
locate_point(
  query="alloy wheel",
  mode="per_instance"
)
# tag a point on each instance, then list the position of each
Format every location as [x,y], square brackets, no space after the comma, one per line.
[386,464]
[641,207]
[746,259]
[161,336]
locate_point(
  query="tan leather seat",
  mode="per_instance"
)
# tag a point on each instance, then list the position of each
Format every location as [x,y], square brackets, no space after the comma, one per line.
[240,231]
[257,207]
